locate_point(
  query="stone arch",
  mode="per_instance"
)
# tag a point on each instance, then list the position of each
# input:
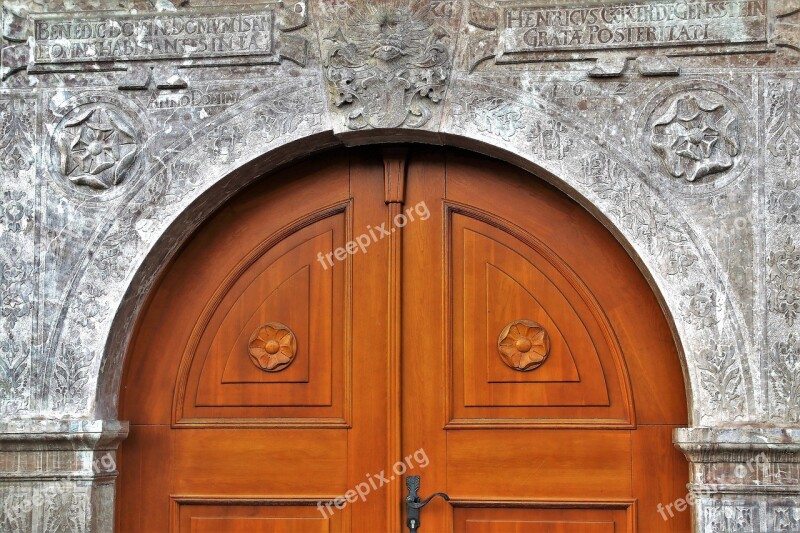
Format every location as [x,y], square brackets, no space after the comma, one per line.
[194,176]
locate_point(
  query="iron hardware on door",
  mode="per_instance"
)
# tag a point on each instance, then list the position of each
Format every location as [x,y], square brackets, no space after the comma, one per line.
[414,504]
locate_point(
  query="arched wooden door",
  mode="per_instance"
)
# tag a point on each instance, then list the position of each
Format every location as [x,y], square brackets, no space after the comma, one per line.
[482,331]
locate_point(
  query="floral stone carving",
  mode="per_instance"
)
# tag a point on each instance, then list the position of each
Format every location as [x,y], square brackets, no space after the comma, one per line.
[696,137]
[387,66]
[272,347]
[97,147]
[523,345]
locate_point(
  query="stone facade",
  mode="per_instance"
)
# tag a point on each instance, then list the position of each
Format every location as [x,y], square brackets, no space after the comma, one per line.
[677,124]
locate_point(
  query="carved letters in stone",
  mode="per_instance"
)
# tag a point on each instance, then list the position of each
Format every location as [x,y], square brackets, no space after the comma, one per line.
[542,28]
[540,31]
[97,146]
[696,136]
[388,66]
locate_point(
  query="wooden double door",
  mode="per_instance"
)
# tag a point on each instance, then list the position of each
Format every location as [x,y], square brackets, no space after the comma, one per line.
[373,314]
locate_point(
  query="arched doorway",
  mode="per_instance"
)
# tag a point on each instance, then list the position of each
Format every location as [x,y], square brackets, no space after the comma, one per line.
[373,314]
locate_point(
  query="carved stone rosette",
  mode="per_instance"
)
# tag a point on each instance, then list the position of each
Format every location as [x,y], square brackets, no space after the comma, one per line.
[696,137]
[97,146]
[523,345]
[272,347]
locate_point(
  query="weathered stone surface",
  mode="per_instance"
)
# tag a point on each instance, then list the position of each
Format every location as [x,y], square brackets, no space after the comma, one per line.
[110,156]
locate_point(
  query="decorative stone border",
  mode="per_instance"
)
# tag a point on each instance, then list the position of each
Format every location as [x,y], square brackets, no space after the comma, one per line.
[106,168]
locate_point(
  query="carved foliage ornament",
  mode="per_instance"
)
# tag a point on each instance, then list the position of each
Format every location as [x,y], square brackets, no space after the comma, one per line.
[784,120]
[523,345]
[16,127]
[272,347]
[784,277]
[387,65]
[696,137]
[97,147]
[785,378]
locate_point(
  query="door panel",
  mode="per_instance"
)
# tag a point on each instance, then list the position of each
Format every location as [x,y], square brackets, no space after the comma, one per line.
[500,282]
[212,517]
[546,464]
[507,335]
[281,282]
[246,462]
[618,518]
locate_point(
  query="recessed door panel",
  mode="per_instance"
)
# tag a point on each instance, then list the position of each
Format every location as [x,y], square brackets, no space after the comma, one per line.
[216,516]
[563,517]
[530,344]
[279,299]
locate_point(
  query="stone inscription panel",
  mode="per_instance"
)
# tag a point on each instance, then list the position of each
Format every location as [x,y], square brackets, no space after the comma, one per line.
[633,25]
[189,34]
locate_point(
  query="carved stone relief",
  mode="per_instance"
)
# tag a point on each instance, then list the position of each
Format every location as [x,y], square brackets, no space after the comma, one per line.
[18,274]
[730,519]
[694,134]
[782,198]
[97,146]
[651,224]
[388,65]
[107,166]
[785,518]
[696,137]
[784,277]
[784,116]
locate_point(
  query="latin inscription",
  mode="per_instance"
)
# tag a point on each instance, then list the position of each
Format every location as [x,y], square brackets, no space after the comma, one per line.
[633,25]
[162,36]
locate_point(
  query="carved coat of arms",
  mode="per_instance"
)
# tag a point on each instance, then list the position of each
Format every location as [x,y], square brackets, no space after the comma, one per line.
[387,66]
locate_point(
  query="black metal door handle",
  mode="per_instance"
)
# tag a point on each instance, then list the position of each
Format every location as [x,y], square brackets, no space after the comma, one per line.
[414,504]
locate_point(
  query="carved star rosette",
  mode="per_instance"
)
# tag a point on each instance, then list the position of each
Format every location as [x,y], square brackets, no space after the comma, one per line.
[272,347]
[97,146]
[524,345]
[696,134]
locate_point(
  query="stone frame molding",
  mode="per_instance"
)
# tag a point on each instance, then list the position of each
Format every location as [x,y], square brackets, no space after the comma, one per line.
[77,261]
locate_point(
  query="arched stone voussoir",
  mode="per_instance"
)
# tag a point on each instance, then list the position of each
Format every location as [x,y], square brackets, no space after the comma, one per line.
[186,188]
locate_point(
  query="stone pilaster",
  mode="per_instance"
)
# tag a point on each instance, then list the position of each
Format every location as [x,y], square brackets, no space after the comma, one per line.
[58,476]
[743,479]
